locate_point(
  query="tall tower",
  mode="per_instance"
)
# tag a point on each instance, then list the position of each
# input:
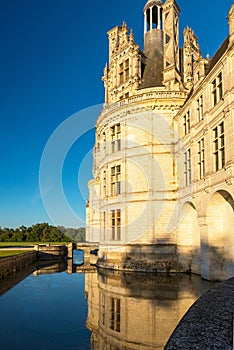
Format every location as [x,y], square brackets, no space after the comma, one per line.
[133,196]
[153,44]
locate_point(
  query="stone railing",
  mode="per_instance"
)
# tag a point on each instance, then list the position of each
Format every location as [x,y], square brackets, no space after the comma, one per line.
[154,95]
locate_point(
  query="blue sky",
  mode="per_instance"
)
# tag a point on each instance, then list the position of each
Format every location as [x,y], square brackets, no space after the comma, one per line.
[52,58]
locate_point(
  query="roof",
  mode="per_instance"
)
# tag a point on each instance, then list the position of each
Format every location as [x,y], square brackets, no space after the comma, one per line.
[218,54]
[152,3]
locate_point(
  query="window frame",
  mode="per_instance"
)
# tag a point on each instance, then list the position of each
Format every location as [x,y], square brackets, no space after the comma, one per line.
[201,159]
[116,180]
[115,133]
[200,110]
[116,225]
[219,146]
[187,123]
[187,167]
[217,89]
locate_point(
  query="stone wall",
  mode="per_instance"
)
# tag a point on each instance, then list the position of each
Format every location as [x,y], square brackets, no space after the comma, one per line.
[15,263]
[141,257]
[209,322]
[51,252]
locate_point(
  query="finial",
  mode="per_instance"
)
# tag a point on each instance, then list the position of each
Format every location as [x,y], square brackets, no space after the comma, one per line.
[131,35]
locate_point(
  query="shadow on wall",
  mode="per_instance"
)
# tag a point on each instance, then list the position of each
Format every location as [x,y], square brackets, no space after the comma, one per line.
[212,263]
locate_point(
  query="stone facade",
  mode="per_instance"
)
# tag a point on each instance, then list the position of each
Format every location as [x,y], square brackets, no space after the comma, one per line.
[162,194]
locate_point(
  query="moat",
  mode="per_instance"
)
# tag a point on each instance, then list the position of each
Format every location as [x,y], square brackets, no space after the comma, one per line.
[61,307]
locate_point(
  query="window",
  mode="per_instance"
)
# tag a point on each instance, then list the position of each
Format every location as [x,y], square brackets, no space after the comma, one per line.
[115,180]
[219,147]
[121,73]
[102,309]
[124,72]
[187,167]
[103,141]
[187,123]
[126,69]
[217,89]
[116,224]
[115,314]
[200,108]
[201,159]
[103,225]
[116,138]
[104,183]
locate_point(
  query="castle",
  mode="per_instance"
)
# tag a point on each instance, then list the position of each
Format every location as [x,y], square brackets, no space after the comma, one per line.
[162,194]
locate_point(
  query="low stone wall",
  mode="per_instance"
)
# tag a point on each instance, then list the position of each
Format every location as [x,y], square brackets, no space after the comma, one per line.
[51,252]
[140,257]
[15,263]
[209,322]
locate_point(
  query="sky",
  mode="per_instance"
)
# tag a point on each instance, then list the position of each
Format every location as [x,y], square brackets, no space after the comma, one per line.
[52,57]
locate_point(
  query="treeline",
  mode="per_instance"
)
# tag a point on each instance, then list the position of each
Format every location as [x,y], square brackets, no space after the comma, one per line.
[75,234]
[36,233]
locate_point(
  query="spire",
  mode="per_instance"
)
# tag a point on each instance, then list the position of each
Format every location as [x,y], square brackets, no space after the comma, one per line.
[131,36]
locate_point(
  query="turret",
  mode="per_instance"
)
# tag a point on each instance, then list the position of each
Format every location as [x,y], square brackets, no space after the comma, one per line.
[123,73]
[161,45]
[153,44]
[171,74]
[191,55]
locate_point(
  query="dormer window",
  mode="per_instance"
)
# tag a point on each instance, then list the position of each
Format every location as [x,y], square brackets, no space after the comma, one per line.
[123,72]
[126,69]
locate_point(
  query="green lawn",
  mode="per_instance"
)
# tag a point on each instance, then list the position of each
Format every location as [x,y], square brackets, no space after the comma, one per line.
[5,253]
[14,251]
[22,244]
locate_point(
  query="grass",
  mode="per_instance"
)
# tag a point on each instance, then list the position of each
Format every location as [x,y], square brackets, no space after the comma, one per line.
[22,244]
[6,253]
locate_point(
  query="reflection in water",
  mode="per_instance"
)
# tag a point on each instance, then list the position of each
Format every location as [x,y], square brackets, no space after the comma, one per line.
[131,311]
[78,257]
[51,268]
[46,310]
[137,311]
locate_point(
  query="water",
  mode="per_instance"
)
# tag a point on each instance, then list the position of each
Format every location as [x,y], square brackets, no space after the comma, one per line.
[103,310]
[78,257]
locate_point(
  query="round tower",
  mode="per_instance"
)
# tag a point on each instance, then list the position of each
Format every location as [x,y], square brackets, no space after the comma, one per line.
[133,196]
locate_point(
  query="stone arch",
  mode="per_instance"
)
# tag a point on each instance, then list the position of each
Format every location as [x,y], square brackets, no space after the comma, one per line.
[188,239]
[218,247]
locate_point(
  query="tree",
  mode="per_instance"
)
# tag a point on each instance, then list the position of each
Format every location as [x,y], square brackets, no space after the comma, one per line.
[42,232]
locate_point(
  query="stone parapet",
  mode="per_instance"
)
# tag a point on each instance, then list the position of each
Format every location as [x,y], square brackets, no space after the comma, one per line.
[51,252]
[161,99]
[209,322]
